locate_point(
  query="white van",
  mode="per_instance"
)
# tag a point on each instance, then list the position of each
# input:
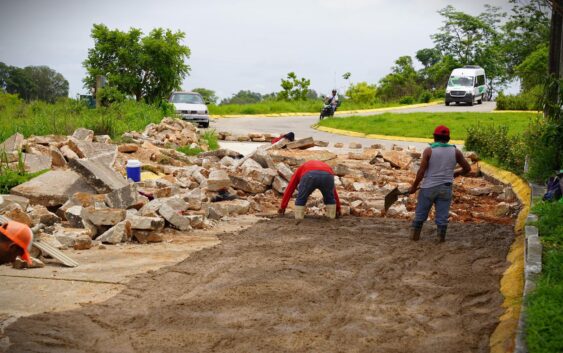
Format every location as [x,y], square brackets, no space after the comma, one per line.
[466,85]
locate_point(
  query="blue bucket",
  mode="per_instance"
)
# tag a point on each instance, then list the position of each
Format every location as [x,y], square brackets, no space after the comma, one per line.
[134,170]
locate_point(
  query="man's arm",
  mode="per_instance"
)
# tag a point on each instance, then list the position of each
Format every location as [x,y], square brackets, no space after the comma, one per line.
[289,190]
[465,167]
[423,166]
[338,211]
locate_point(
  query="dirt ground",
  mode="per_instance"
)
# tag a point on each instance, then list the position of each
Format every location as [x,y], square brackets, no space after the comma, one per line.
[349,285]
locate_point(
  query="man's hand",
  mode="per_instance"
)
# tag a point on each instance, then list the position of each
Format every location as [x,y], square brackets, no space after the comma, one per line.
[281,211]
[338,213]
[412,190]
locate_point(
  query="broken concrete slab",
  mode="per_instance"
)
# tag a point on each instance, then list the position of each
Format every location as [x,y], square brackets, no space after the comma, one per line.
[263,175]
[74,216]
[145,223]
[124,197]
[355,145]
[53,188]
[68,153]
[98,174]
[13,143]
[251,164]
[7,200]
[284,171]
[144,236]
[174,217]
[218,180]
[119,233]
[298,157]
[279,184]
[247,185]
[40,214]
[83,134]
[35,163]
[57,157]
[103,152]
[302,144]
[128,148]
[15,213]
[263,158]
[196,221]
[218,210]
[397,159]
[194,199]
[103,216]
[73,237]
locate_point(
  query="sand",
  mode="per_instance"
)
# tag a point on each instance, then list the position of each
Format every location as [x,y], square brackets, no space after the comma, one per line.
[348,285]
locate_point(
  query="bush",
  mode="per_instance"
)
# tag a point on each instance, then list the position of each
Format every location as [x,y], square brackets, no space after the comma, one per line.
[530,100]
[494,142]
[425,97]
[13,176]
[362,92]
[543,150]
[406,100]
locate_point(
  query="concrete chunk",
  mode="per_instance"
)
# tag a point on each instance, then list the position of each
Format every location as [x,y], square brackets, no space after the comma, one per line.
[7,200]
[145,223]
[279,184]
[53,188]
[218,180]
[35,163]
[174,217]
[301,144]
[105,153]
[83,134]
[74,216]
[247,185]
[103,216]
[73,238]
[284,171]
[397,159]
[124,197]
[263,175]
[13,143]
[144,236]
[40,214]
[119,233]
[98,174]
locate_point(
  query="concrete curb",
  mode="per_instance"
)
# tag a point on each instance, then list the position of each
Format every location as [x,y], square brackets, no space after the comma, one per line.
[503,339]
[378,137]
[339,113]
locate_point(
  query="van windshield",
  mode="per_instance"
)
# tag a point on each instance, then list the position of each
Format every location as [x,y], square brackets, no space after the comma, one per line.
[186,98]
[464,81]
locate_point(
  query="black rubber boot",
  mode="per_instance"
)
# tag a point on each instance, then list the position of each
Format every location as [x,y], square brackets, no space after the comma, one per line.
[442,233]
[415,233]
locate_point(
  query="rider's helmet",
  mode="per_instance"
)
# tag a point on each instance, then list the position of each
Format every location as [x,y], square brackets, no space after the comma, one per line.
[334,91]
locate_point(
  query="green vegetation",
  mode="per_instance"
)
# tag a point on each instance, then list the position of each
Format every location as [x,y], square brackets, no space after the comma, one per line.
[63,117]
[11,176]
[274,106]
[33,82]
[209,138]
[294,88]
[530,100]
[544,313]
[423,124]
[147,67]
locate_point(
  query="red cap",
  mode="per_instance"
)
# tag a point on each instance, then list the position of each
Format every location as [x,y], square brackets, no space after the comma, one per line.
[21,235]
[442,131]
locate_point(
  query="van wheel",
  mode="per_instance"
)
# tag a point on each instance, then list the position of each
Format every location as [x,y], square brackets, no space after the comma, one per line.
[471,103]
[480,100]
[447,103]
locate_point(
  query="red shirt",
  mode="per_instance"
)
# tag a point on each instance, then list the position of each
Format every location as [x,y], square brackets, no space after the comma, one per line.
[299,173]
[277,139]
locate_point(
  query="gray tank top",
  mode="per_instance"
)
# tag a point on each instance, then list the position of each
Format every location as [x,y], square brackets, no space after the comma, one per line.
[440,167]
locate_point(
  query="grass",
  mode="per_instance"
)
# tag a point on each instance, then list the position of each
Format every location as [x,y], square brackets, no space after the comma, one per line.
[63,117]
[269,107]
[544,313]
[423,124]
[11,176]
[209,138]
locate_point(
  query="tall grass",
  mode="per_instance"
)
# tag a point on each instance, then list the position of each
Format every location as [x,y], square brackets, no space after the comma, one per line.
[270,107]
[64,116]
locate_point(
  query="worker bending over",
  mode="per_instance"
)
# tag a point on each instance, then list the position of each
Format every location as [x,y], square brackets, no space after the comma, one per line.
[15,240]
[437,172]
[309,176]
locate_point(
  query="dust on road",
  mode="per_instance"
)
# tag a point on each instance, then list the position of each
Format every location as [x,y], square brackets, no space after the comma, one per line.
[350,285]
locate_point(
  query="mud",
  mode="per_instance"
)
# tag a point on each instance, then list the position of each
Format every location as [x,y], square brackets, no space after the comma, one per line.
[350,285]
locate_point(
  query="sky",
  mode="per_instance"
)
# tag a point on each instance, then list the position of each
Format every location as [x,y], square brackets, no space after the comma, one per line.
[235,44]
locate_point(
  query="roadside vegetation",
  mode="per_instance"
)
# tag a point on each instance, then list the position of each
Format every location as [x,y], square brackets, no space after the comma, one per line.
[209,138]
[66,115]
[13,175]
[423,124]
[544,313]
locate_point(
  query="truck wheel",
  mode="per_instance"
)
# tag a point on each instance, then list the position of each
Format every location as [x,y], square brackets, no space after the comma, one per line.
[205,125]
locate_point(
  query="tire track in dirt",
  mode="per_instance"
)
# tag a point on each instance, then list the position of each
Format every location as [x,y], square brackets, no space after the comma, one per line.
[350,285]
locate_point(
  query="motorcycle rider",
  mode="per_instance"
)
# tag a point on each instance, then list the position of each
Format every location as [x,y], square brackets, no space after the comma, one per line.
[332,100]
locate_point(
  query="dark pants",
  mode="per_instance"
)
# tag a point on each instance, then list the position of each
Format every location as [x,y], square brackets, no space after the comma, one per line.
[441,197]
[316,179]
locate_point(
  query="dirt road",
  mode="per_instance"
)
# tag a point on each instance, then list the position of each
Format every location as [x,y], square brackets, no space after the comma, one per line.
[350,285]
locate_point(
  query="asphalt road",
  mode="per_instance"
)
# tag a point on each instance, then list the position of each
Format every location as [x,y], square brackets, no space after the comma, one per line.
[301,125]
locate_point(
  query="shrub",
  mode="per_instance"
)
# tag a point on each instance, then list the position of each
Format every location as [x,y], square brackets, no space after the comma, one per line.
[543,150]
[406,100]
[362,92]
[425,97]
[530,100]
[493,142]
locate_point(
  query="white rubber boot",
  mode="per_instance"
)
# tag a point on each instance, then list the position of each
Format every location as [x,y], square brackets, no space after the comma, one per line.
[299,212]
[331,211]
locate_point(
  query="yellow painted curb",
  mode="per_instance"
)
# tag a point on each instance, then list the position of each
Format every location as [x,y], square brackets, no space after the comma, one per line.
[379,137]
[516,111]
[512,282]
[343,112]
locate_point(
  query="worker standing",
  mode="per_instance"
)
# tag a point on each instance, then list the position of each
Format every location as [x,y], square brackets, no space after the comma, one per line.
[437,172]
[310,176]
[15,240]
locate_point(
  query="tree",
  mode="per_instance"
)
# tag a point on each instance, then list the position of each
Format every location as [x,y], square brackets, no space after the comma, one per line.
[533,70]
[361,92]
[401,82]
[33,82]
[148,68]
[475,40]
[293,88]
[243,97]
[312,94]
[526,30]
[207,94]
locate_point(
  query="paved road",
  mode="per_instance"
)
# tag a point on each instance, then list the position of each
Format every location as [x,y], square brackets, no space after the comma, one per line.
[301,125]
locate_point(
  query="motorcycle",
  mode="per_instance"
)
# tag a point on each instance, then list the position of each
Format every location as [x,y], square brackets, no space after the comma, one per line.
[328,110]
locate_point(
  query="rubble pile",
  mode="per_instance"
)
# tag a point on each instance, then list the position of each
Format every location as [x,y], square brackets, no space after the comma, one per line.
[85,200]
